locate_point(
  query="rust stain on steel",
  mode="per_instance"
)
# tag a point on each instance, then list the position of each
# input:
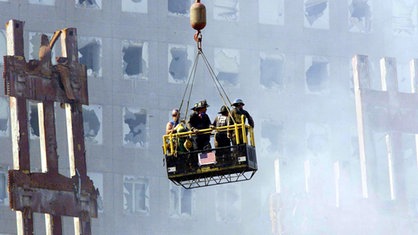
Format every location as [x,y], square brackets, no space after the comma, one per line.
[66,82]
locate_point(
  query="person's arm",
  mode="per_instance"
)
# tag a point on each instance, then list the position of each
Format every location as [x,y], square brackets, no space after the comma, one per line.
[169,128]
[250,119]
[191,123]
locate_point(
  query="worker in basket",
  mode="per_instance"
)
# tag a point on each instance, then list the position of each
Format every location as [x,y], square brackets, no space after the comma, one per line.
[236,117]
[175,126]
[200,120]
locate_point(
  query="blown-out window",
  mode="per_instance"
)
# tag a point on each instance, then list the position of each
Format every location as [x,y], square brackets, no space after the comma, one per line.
[316,14]
[135,60]
[272,71]
[180,201]
[92,123]
[227,66]
[360,15]
[136,6]
[227,10]
[3,187]
[3,44]
[4,117]
[179,62]
[35,43]
[88,4]
[179,7]
[404,17]
[136,195]
[97,178]
[90,53]
[271,132]
[134,127]
[316,74]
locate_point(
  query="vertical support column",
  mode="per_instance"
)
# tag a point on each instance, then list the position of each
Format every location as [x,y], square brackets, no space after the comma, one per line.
[360,67]
[19,123]
[49,156]
[76,148]
[75,129]
[276,217]
[394,141]
[48,139]
[413,64]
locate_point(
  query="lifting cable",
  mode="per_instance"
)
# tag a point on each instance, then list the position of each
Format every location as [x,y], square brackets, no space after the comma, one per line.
[198,22]
[190,81]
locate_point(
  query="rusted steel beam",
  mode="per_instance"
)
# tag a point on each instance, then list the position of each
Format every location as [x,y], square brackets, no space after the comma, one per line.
[25,80]
[47,136]
[75,130]
[66,82]
[19,123]
[66,196]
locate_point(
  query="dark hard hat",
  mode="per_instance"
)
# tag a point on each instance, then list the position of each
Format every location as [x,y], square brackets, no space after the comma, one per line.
[223,109]
[195,107]
[201,104]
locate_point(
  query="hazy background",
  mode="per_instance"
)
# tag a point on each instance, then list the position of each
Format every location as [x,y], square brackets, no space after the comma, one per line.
[291,63]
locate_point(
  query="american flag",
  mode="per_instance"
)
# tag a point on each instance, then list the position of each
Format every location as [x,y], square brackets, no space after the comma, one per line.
[207,158]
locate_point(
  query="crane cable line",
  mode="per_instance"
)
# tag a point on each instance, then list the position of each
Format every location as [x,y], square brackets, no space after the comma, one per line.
[191,79]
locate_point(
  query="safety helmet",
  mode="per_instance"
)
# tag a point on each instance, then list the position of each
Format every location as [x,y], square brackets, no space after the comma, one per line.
[201,104]
[237,101]
[223,109]
[188,144]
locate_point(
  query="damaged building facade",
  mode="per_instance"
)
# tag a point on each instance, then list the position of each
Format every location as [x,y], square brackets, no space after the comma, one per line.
[328,154]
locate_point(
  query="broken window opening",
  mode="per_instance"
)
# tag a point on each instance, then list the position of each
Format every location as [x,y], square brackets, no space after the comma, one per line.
[3,188]
[179,7]
[89,4]
[92,122]
[272,132]
[227,10]
[360,16]
[33,120]
[4,117]
[180,201]
[404,17]
[316,13]
[3,45]
[227,65]
[136,6]
[228,204]
[97,178]
[135,127]
[317,138]
[317,75]
[43,2]
[90,55]
[134,60]
[136,195]
[272,72]
[228,78]
[35,43]
[179,63]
